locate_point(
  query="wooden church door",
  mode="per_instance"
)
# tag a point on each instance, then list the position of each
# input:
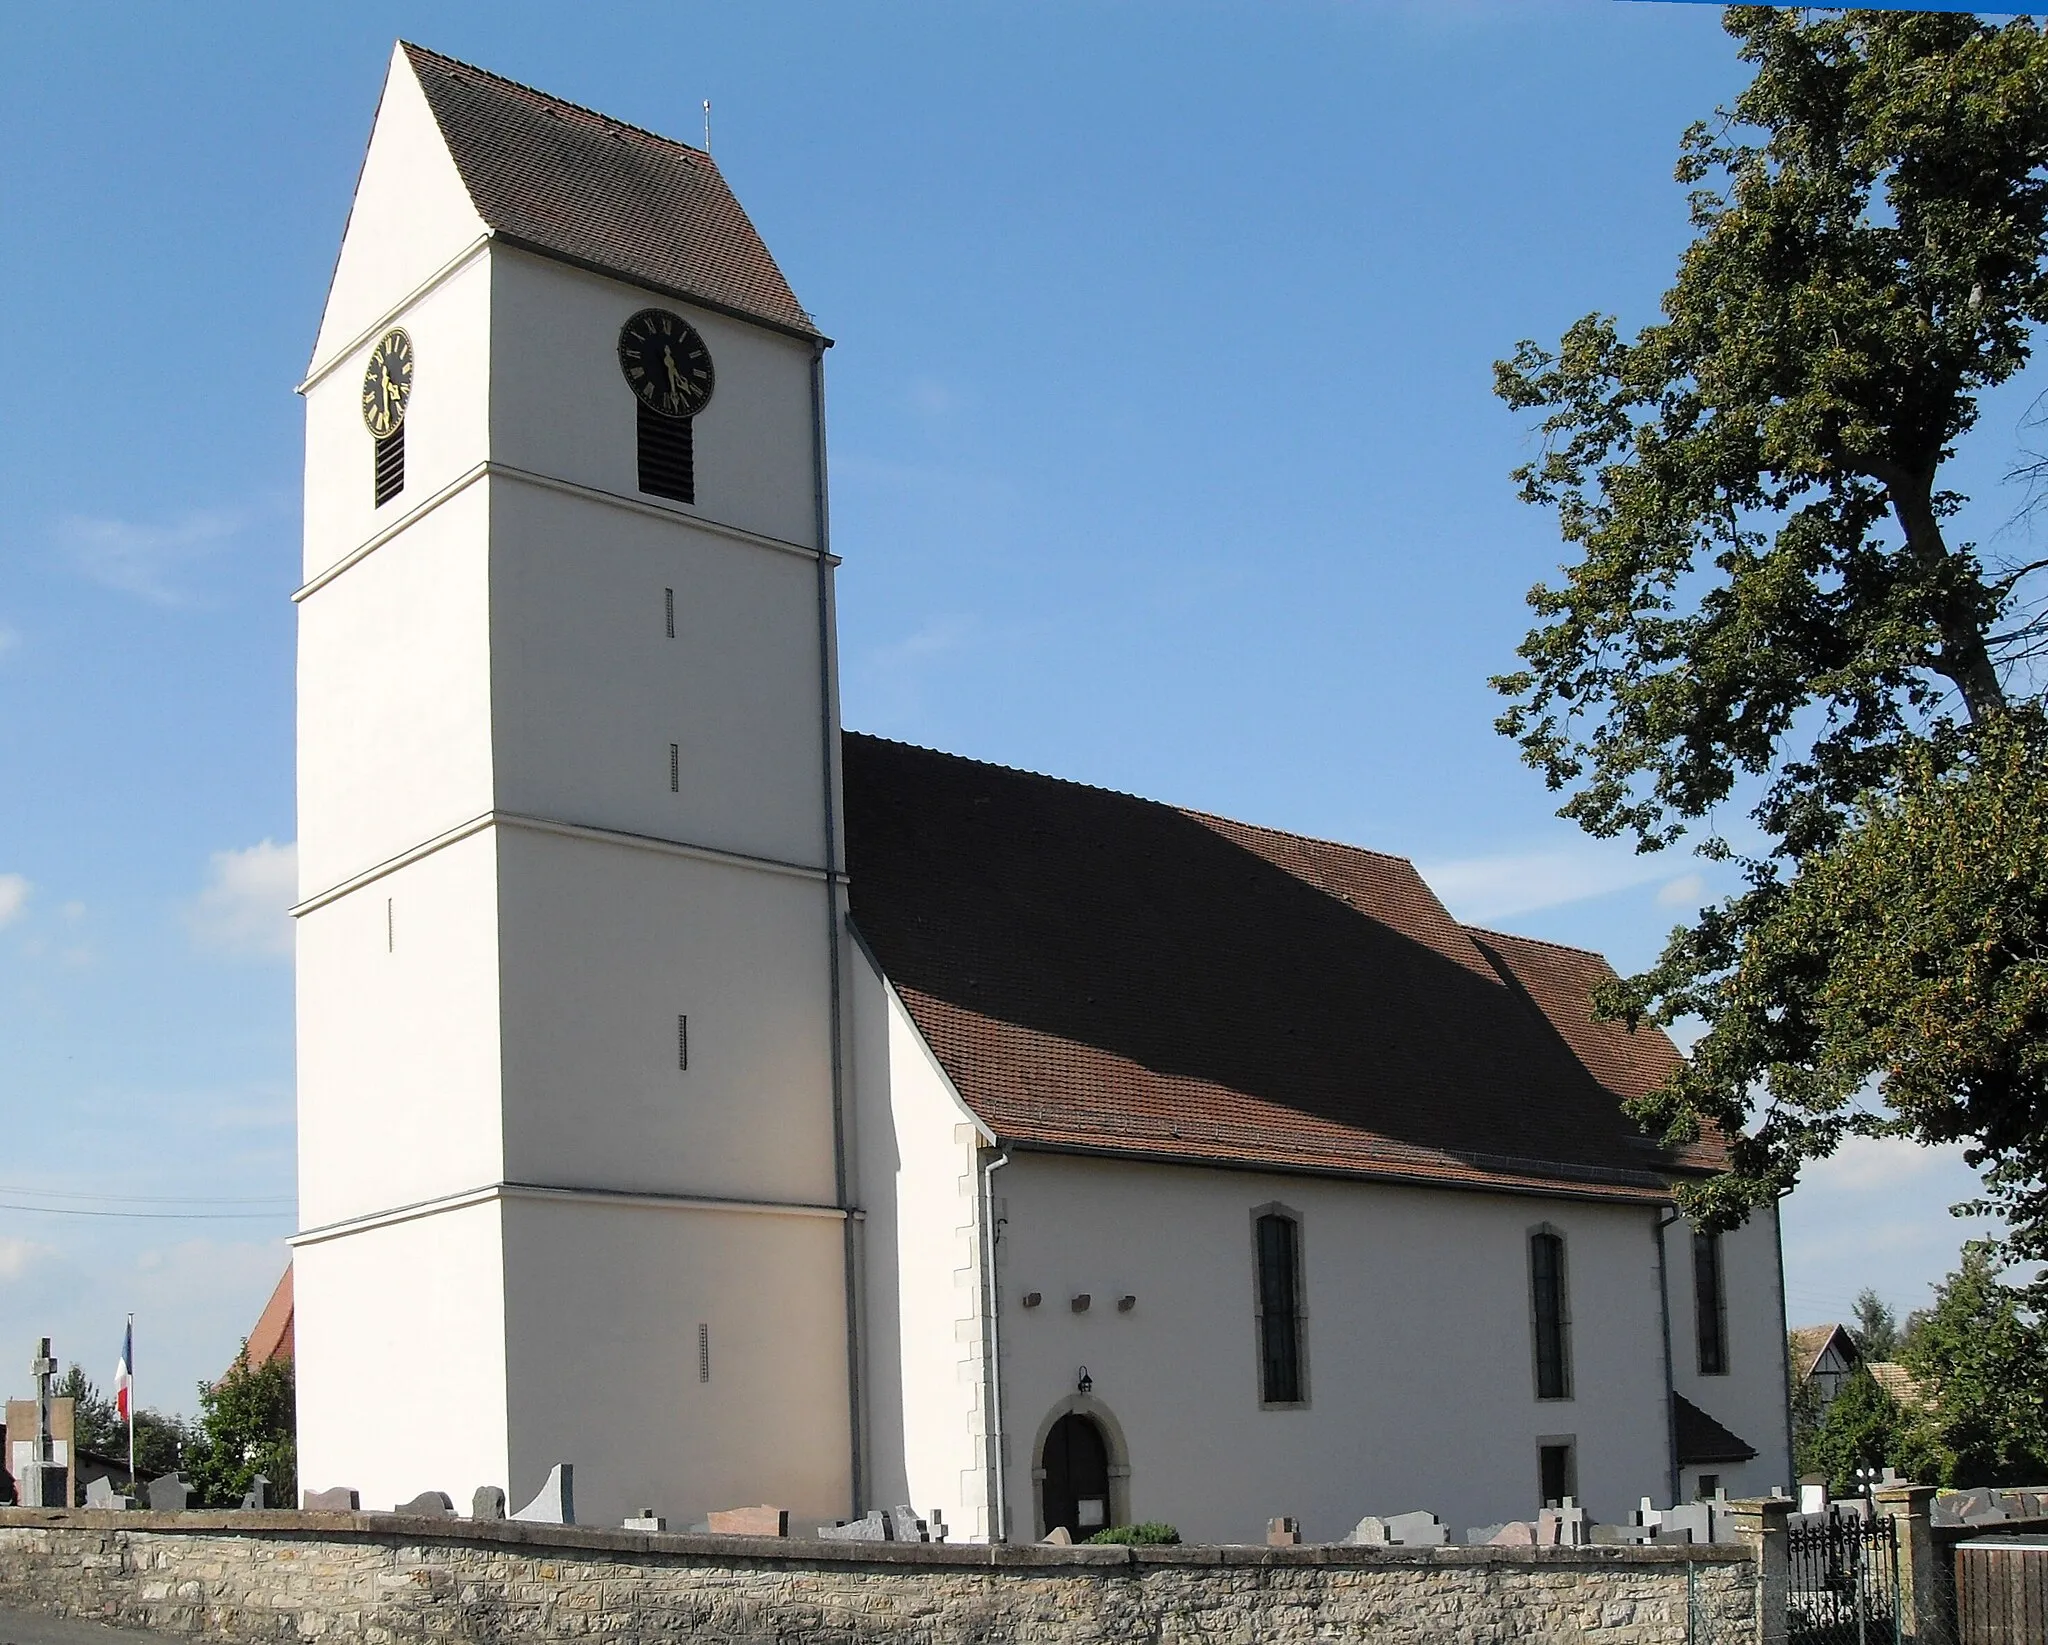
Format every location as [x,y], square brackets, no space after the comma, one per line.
[1076,1463]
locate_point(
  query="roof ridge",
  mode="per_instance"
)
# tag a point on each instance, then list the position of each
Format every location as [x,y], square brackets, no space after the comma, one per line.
[1142,799]
[610,121]
[1540,942]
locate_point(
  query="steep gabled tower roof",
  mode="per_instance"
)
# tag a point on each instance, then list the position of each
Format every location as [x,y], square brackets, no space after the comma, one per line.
[591,190]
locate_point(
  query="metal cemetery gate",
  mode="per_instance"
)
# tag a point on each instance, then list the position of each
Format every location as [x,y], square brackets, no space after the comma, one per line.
[1844,1582]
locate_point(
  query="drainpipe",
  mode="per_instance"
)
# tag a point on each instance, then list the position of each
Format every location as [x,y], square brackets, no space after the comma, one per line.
[1785,1335]
[999,1504]
[1670,1391]
[828,769]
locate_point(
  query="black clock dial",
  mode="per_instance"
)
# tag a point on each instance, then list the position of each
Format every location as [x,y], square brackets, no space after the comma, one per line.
[666,363]
[387,383]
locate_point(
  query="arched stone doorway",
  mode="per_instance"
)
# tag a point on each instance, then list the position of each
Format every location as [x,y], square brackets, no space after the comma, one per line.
[1074,1464]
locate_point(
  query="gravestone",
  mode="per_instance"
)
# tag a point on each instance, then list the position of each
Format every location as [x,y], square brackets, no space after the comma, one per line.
[1695,1518]
[1060,1538]
[168,1494]
[1517,1533]
[1417,1530]
[556,1503]
[428,1505]
[1564,1527]
[1283,1532]
[1369,1532]
[938,1524]
[873,1526]
[905,1526]
[1481,1536]
[487,1502]
[258,1493]
[762,1521]
[645,1520]
[100,1493]
[341,1500]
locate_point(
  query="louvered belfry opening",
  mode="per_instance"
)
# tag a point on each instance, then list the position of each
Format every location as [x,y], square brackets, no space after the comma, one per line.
[668,458]
[390,464]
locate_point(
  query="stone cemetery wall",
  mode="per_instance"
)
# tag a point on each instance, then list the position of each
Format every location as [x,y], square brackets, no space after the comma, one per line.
[395,1580]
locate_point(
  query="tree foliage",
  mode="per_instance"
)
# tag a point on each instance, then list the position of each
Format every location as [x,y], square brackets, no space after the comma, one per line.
[1981,1357]
[160,1440]
[1767,606]
[1877,1328]
[1863,1427]
[247,1426]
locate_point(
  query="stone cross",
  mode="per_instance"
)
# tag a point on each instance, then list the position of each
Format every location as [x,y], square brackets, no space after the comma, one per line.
[43,1367]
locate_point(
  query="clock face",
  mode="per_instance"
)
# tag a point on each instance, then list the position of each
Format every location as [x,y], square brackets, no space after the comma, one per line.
[666,363]
[387,383]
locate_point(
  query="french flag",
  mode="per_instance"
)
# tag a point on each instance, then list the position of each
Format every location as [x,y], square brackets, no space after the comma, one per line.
[124,1373]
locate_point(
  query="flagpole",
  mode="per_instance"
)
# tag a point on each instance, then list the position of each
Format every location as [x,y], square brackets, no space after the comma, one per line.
[131,1407]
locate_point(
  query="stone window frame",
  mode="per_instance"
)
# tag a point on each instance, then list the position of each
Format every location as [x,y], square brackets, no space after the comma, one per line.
[1564,1314]
[1718,1304]
[1277,1208]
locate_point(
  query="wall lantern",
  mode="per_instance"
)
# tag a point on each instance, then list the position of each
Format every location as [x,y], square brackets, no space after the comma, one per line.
[1085,1384]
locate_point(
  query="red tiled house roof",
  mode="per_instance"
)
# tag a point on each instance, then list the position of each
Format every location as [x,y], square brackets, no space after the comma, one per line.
[1101,973]
[580,186]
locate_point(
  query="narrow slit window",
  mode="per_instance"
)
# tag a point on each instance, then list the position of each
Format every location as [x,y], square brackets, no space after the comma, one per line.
[390,929]
[1557,1472]
[669,601]
[668,457]
[390,464]
[1710,1304]
[1551,1315]
[682,1044]
[703,1353]
[1279,1257]
[675,768]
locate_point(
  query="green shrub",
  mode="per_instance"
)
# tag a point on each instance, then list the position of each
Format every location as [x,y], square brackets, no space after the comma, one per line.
[1152,1534]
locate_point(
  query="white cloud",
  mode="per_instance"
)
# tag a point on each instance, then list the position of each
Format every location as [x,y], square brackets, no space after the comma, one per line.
[143,560]
[1687,891]
[1866,1165]
[17,1254]
[242,910]
[13,897]
[935,639]
[932,397]
[1516,882]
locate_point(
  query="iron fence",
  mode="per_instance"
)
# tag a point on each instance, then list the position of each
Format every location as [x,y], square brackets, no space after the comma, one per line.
[1844,1587]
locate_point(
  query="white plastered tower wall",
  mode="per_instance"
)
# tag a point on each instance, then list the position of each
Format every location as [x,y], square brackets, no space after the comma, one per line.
[522,1198]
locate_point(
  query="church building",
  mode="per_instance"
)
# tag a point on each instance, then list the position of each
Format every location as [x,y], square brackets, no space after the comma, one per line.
[742,1110]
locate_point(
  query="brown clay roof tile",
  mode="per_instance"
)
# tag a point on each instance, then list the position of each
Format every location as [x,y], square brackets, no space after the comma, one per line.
[1102,973]
[582,186]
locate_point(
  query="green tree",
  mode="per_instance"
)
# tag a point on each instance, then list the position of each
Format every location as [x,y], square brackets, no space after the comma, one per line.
[95,1423]
[1981,1357]
[1863,1427]
[247,1426]
[97,1426]
[1877,1328]
[1767,607]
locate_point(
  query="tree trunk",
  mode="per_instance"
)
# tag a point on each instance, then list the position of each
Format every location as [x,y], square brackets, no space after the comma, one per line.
[1964,659]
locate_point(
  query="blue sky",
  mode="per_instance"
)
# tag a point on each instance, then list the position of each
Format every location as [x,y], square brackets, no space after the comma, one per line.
[1163,455]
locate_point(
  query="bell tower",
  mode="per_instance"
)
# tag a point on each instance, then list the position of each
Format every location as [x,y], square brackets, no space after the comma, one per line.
[572,1152]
